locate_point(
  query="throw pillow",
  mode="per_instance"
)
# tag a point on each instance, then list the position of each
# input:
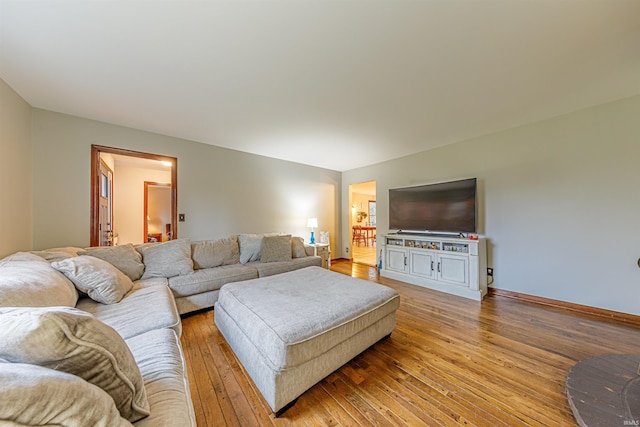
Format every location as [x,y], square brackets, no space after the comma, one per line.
[250,247]
[75,342]
[57,254]
[169,259]
[124,257]
[276,248]
[297,247]
[27,280]
[213,253]
[97,278]
[37,396]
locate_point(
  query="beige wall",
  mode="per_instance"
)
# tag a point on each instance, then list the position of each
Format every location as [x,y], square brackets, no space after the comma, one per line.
[15,172]
[221,191]
[361,203]
[559,201]
[128,201]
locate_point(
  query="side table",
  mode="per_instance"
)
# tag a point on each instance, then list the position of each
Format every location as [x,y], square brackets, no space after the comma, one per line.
[324,252]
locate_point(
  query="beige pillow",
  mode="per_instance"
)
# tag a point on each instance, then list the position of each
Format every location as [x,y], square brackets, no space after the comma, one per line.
[27,280]
[57,254]
[213,253]
[97,278]
[124,257]
[276,248]
[297,248]
[167,259]
[37,396]
[75,342]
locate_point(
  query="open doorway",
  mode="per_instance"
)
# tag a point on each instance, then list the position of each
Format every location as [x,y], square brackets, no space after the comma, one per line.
[363,222]
[128,214]
[157,212]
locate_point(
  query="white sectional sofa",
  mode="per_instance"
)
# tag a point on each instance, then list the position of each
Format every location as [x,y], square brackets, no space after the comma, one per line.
[92,336]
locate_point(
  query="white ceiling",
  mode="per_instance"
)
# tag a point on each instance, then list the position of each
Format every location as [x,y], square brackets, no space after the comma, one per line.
[336,84]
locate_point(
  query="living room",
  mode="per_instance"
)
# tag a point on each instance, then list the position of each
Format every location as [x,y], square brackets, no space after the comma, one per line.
[557,190]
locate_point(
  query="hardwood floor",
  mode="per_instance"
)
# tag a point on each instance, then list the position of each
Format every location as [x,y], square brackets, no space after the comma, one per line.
[364,254]
[450,361]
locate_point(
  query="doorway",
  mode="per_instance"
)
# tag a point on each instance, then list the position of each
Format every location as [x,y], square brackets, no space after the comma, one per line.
[363,222]
[157,212]
[97,153]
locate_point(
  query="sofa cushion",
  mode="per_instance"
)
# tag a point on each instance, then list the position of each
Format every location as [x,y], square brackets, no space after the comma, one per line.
[210,279]
[161,362]
[167,259]
[58,254]
[142,310]
[250,247]
[271,268]
[276,248]
[37,396]
[297,247]
[72,341]
[124,257]
[27,280]
[97,278]
[213,253]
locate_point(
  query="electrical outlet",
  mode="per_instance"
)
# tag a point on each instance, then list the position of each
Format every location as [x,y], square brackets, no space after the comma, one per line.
[490,272]
[346,249]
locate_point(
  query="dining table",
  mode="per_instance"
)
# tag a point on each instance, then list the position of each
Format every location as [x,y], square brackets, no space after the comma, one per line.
[369,233]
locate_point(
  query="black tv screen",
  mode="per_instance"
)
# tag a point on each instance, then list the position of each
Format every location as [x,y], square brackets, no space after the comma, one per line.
[444,207]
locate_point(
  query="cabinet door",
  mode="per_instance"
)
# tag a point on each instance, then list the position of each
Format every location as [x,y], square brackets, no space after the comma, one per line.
[453,269]
[422,263]
[397,259]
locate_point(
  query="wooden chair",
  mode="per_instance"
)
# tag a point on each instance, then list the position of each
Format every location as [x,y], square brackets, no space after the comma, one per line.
[358,236]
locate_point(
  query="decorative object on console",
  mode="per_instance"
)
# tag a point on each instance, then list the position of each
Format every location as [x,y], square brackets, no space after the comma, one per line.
[312,223]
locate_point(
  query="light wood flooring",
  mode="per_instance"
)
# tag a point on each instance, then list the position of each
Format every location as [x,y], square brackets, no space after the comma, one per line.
[364,254]
[450,361]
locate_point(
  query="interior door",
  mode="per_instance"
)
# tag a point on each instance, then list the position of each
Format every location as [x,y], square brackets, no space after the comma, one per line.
[106,205]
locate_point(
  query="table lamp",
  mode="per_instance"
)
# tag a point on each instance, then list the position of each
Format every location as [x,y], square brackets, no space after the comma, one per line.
[312,223]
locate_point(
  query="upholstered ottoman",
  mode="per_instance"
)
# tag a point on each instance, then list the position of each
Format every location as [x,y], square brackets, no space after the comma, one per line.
[291,330]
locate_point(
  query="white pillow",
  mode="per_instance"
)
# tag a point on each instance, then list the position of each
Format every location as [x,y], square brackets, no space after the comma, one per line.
[27,280]
[95,277]
[167,259]
[297,248]
[75,342]
[37,396]
[250,247]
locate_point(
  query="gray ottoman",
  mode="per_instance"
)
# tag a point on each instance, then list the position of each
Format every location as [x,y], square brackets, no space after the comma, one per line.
[291,330]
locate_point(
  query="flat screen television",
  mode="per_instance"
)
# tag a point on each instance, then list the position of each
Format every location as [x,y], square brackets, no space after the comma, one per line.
[442,207]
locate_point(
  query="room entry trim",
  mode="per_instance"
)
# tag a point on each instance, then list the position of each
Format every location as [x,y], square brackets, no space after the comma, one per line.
[94,231]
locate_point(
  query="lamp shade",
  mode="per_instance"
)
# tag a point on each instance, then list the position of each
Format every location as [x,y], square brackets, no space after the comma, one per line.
[312,222]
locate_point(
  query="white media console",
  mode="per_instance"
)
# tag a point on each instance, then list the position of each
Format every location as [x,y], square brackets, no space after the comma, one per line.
[448,264]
